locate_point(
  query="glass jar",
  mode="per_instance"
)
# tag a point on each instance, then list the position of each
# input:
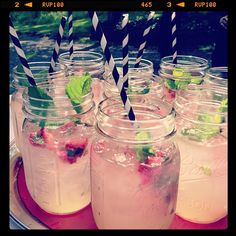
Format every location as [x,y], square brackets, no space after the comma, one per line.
[86,61]
[141,80]
[188,70]
[134,171]
[56,149]
[202,139]
[20,81]
[217,77]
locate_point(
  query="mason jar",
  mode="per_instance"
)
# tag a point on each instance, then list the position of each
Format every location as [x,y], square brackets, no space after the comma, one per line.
[202,139]
[134,165]
[56,149]
[141,80]
[217,77]
[86,62]
[188,70]
[20,81]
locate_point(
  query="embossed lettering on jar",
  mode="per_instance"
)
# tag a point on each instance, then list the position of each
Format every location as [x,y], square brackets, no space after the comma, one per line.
[202,140]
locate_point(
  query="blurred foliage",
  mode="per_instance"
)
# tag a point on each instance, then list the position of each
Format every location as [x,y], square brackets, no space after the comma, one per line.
[197,25]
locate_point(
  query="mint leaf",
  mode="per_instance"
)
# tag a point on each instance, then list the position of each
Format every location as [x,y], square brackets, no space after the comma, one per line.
[196,80]
[24,83]
[200,133]
[170,83]
[144,91]
[19,68]
[211,118]
[78,86]
[38,93]
[206,170]
[181,84]
[224,105]
[143,152]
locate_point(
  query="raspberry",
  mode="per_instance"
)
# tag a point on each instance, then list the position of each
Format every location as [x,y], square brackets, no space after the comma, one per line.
[74,149]
[36,140]
[146,173]
[78,143]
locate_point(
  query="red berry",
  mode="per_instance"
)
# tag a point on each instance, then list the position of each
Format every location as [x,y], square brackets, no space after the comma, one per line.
[48,138]
[36,140]
[78,143]
[146,173]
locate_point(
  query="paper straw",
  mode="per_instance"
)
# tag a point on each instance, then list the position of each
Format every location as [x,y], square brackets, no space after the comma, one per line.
[144,39]
[21,54]
[125,49]
[57,45]
[111,63]
[71,42]
[174,38]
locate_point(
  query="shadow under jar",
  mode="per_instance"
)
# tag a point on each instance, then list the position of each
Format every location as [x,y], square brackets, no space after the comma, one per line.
[202,139]
[188,70]
[141,80]
[56,149]
[20,82]
[86,62]
[134,171]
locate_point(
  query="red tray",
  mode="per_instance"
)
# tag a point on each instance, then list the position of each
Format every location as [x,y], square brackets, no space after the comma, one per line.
[83,219]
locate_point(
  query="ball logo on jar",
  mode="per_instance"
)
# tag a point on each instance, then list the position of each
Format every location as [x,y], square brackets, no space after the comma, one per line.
[192,169]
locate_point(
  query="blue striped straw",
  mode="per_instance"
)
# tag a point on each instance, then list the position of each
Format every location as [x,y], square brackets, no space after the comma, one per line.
[111,63]
[174,37]
[144,39]
[57,45]
[20,53]
[71,42]
[125,49]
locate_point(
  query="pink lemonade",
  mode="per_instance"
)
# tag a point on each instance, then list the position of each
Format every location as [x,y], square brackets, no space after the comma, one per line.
[202,139]
[128,195]
[57,136]
[134,173]
[202,196]
[57,172]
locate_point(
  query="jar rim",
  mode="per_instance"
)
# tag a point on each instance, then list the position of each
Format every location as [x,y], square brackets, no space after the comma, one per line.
[168,61]
[149,64]
[98,57]
[152,118]
[181,110]
[214,71]
[40,63]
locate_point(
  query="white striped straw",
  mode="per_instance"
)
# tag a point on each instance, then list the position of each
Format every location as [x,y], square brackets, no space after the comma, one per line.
[125,49]
[174,36]
[57,44]
[21,54]
[71,41]
[111,63]
[144,38]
